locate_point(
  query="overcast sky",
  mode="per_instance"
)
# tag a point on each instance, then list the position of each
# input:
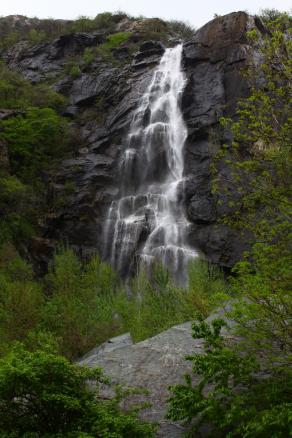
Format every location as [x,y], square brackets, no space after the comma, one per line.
[195,12]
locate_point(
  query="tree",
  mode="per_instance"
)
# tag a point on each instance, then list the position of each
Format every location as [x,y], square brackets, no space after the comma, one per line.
[232,397]
[81,304]
[43,394]
[263,181]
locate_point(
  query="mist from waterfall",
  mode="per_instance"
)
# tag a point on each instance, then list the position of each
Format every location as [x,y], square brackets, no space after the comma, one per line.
[147,222]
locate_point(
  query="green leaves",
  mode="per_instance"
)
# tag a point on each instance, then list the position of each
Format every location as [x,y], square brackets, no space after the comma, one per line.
[33,140]
[43,394]
[229,394]
[18,93]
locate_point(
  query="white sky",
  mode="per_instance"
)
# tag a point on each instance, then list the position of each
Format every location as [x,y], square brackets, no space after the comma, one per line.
[195,12]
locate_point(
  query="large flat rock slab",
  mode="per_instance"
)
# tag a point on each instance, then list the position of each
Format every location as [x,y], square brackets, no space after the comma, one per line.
[154,364]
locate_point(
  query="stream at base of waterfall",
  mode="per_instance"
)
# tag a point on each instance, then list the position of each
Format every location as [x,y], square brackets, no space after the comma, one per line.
[147,222]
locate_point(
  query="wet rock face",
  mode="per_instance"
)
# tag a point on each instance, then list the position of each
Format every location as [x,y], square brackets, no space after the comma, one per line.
[213,60]
[101,102]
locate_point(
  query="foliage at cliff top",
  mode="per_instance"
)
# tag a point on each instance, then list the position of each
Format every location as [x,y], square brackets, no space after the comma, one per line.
[38,31]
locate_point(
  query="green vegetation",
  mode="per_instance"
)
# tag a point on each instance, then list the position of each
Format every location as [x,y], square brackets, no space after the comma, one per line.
[34,140]
[41,31]
[113,41]
[46,30]
[82,305]
[18,93]
[232,396]
[17,215]
[88,55]
[75,72]
[43,394]
[157,304]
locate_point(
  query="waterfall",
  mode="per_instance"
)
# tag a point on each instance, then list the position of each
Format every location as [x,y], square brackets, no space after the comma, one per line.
[147,222]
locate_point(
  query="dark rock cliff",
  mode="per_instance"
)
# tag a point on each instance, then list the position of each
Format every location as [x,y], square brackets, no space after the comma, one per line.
[101,101]
[214,60]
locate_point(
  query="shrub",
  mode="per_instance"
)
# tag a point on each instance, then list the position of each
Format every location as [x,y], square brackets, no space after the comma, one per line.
[113,41]
[180,28]
[16,205]
[116,39]
[21,299]
[80,310]
[83,24]
[245,388]
[75,72]
[18,93]
[37,36]
[43,394]
[156,304]
[88,55]
[232,397]
[34,140]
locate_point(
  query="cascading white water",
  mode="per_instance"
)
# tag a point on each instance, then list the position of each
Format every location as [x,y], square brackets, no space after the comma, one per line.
[148,223]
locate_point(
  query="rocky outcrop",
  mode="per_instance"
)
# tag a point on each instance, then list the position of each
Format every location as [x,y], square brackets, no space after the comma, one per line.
[101,101]
[154,364]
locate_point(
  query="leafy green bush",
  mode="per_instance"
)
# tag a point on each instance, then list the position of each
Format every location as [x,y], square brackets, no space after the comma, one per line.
[116,39]
[263,181]
[87,305]
[18,93]
[16,206]
[156,304]
[113,41]
[232,397]
[88,55]
[83,24]
[43,394]
[104,21]
[83,305]
[81,309]
[34,140]
[273,18]
[75,72]
[21,300]
[37,36]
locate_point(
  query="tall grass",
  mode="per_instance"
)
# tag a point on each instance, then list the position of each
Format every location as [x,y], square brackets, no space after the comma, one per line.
[156,304]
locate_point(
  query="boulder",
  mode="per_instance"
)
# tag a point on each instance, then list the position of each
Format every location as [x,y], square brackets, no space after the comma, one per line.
[153,364]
